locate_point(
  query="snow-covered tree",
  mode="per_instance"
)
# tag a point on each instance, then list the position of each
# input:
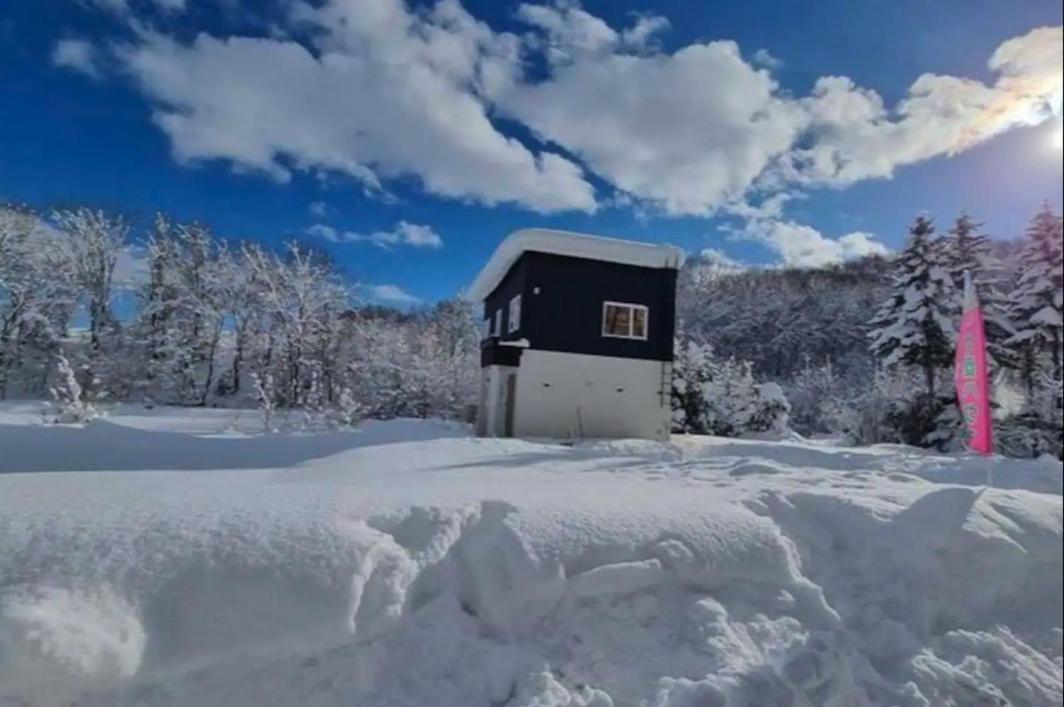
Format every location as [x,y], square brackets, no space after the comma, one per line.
[238,301]
[265,396]
[967,249]
[876,411]
[811,394]
[68,397]
[93,243]
[183,310]
[202,272]
[721,397]
[36,298]
[778,318]
[450,343]
[156,329]
[1039,427]
[1035,310]
[913,327]
[692,369]
[300,297]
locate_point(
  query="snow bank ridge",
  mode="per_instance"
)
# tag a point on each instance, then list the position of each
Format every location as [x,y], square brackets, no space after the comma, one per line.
[635,577]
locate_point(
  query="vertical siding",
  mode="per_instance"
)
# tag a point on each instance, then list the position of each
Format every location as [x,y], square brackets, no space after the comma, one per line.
[499,299]
[565,312]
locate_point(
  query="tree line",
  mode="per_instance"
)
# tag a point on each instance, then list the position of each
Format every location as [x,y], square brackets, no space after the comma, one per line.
[866,348]
[212,322]
[861,349]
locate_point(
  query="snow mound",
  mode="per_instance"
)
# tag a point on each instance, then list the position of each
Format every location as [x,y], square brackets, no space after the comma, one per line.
[454,571]
[54,640]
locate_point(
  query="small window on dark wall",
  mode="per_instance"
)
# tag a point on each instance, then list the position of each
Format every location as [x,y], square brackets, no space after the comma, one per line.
[624,321]
[496,326]
[513,322]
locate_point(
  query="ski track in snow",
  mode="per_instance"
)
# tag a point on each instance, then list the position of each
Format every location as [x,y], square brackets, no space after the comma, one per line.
[175,557]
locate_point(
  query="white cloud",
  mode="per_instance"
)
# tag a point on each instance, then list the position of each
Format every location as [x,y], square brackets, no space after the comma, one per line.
[719,261]
[802,246]
[568,31]
[688,131]
[379,91]
[701,128]
[384,94]
[393,294]
[417,236]
[77,55]
[765,59]
[318,208]
[854,136]
[404,233]
[328,233]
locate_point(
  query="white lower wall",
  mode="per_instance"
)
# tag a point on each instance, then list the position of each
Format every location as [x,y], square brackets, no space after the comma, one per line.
[565,395]
[491,416]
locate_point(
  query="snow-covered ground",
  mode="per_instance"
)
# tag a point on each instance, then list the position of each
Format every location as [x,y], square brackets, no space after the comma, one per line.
[176,557]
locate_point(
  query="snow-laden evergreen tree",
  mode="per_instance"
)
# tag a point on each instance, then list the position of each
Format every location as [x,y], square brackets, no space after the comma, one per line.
[914,327]
[1039,427]
[1035,310]
[967,249]
[721,397]
[692,369]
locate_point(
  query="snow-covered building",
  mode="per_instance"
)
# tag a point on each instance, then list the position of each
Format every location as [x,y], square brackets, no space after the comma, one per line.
[577,338]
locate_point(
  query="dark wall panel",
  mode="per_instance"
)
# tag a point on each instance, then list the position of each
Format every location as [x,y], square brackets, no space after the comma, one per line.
[565,312]
[499,299]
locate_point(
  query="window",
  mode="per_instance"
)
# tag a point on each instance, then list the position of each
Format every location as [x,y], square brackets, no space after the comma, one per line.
[624,321]
[513,323]
[485,328]
[496,327]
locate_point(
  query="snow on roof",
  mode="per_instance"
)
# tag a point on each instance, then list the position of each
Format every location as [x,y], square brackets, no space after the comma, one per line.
[576,245]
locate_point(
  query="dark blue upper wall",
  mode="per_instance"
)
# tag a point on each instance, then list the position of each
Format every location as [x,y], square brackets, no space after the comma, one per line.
[566,312]
[513,283]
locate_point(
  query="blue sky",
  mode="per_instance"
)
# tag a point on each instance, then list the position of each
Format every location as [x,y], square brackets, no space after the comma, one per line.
[408,140]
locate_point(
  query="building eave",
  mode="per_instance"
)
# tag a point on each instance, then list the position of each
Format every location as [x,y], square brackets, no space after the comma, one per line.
[576,245]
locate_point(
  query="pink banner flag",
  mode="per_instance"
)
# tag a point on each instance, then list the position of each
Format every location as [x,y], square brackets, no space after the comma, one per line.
[971,375]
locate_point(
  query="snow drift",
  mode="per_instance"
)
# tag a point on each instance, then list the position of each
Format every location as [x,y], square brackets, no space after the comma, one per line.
[454,571]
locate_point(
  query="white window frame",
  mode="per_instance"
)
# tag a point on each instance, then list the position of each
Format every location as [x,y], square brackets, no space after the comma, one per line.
[496,325]
[513,321]
[631,320]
